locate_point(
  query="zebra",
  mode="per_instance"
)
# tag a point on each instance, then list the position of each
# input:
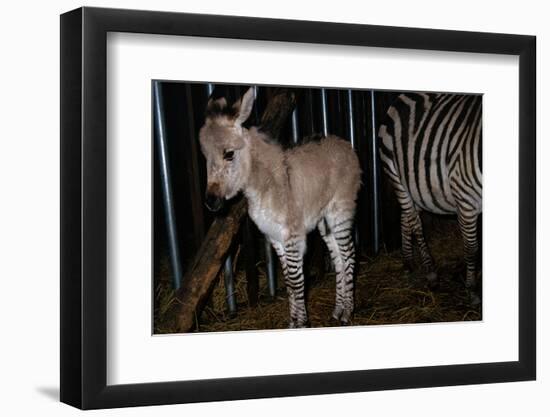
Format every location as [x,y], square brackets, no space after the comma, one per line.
[431,153]
[289,193]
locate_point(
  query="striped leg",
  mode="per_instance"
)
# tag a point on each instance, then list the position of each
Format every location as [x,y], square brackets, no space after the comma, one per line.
[426,257]
[406,242]
[337,232]
[338,264]
[291,254]
[468,209]
[411,224]
[347,252]
[410,220]
[468,227]
[280,250]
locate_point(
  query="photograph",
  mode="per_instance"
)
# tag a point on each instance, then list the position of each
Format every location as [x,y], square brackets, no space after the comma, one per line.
[286,207]
[257,206]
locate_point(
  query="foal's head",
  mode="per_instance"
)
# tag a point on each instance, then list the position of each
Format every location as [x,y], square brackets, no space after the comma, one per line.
[225,145]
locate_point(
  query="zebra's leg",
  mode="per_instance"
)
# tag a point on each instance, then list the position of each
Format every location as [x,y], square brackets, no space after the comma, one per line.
[408,214]
[347,252]
[425,255]
[411,224]
[291,254]
[280,251]
[294,253]
[339,239]
[467,222]
[338,265]
[406,242]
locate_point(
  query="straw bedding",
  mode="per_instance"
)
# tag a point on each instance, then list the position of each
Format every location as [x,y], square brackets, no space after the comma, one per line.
[384,293]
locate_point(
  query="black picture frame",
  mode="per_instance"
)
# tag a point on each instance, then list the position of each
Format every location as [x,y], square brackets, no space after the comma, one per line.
[84,207]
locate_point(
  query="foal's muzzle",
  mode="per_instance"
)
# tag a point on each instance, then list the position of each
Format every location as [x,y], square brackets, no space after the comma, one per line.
[213,202]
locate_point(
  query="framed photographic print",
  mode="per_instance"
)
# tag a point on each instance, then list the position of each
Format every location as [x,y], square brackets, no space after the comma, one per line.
[258,208]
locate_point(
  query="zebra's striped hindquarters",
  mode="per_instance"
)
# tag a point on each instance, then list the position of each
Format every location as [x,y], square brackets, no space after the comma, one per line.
[431,152]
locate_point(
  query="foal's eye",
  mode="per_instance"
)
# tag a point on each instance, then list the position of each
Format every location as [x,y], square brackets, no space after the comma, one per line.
[228,155]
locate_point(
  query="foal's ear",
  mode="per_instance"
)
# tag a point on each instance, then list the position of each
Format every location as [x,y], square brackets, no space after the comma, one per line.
[215,106]
[244,106]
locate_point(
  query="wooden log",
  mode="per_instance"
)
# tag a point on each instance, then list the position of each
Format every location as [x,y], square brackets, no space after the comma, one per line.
[200,279]
[278,110]
[250,242]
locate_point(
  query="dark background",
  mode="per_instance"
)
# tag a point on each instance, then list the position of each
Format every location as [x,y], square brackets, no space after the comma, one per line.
[384,293]
[184,105]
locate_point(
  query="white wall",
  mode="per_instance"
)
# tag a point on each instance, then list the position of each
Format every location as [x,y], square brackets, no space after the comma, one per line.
[29,177]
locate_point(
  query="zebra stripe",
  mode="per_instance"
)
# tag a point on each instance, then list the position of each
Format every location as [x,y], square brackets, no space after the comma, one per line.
[338,236]
[336,229]
[431,152]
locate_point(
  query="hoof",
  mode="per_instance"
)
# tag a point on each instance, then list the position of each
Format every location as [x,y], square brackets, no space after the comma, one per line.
[342,315]
[475,299]
[298,325]
[339,322]
[337,313]
[345,319]
[433,281]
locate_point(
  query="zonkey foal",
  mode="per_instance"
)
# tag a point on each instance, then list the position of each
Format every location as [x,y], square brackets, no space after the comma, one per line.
[289,193]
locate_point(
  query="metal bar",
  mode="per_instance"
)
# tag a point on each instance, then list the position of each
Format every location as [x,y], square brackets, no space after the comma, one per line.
[209,89]
[375,179]
[336,114]
[229,285]
[324,112]
[192,160]
[269,258]
[310,112]
[228,279]
[250,236]
[295,127]
[270,269]
[256,112]
[351,135]
[270,265]
[255,108]
[160,130]
[249,243]
[351,119]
